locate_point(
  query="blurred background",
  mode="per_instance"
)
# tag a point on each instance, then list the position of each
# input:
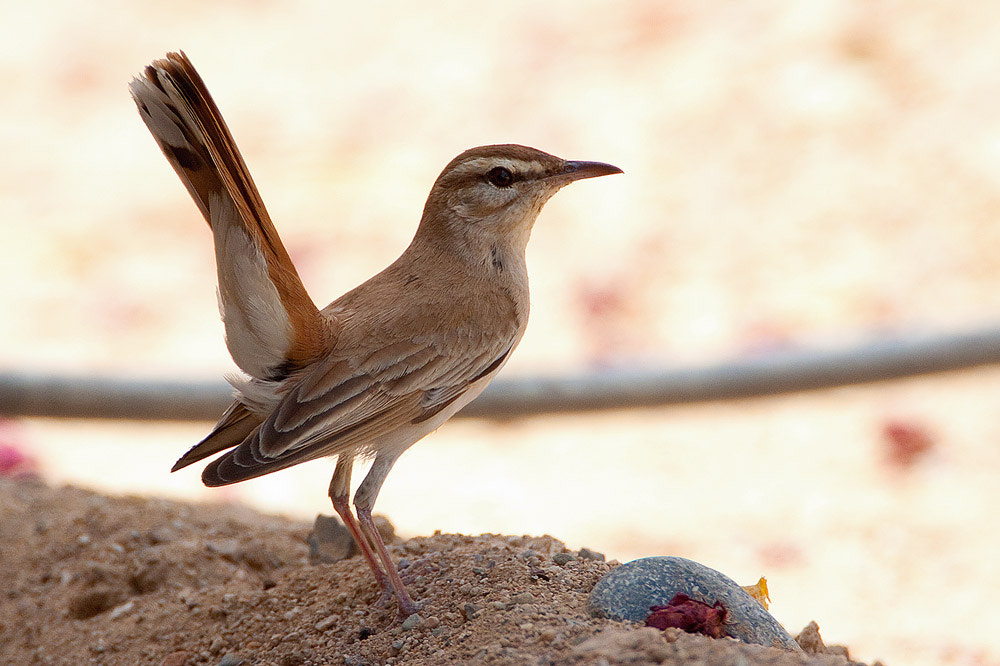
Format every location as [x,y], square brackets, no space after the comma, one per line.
[798,174]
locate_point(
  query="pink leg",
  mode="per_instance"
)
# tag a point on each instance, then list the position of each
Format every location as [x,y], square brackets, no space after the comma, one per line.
[364,499]
[407,606]
[340,488]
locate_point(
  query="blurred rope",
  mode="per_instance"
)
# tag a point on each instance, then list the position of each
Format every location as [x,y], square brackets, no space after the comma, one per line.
[771,373]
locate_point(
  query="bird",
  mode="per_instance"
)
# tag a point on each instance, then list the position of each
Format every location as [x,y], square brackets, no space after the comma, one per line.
[389,361]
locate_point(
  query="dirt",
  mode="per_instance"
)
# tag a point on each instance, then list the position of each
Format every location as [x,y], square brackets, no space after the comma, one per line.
[130,580]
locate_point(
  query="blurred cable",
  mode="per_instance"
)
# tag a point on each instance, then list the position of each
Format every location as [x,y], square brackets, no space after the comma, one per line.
[771,373]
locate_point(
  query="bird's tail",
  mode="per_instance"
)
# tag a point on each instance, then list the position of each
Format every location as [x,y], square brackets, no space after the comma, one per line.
[272,326]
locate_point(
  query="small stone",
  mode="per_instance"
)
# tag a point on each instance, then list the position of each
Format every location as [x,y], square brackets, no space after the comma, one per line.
[588,554]
[562,559]
[523,598]
[499,605]
[470,611]
[412,622]
[329,541]
[118,611]
[216,646]
[528,554]
[178,658]
[810,640]
[231,659]
[432,622]
[327,622]
[548,635]
[228,549]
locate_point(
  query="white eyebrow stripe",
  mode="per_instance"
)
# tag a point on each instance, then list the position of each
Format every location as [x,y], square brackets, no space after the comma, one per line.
[481,165]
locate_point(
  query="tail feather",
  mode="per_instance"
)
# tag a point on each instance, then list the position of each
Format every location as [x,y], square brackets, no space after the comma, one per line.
[272,326]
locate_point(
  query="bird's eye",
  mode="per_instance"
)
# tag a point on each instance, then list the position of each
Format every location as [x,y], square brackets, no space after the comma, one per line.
[500,177]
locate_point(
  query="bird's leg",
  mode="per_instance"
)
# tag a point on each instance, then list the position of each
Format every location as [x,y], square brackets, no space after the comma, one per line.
[340,490]
[364,499]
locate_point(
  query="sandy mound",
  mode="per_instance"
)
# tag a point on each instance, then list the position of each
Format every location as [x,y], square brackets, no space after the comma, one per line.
[127,580]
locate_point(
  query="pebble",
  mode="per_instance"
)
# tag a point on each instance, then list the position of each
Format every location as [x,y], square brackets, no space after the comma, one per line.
[412,622]
[118,611]
[588,554]
[178,658]
[231,659]
[562,559]
[628,592]
[327,622]
[523,598]
[469,611]
[329,541]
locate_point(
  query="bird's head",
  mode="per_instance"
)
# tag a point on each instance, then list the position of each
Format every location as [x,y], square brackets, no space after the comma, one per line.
[496,192]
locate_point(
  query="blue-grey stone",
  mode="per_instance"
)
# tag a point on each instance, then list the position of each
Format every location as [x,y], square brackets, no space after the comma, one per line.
[412,622]
[629,591]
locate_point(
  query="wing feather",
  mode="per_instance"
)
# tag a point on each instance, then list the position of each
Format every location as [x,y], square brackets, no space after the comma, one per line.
[339,406]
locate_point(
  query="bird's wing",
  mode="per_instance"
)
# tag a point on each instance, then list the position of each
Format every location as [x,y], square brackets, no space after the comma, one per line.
[345,403]
[272,326]
[235,425]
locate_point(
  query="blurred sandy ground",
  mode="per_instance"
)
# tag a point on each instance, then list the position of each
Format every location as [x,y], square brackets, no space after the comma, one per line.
[796,173]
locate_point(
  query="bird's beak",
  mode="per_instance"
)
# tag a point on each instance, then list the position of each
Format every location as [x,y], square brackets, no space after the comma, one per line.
[579,170]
